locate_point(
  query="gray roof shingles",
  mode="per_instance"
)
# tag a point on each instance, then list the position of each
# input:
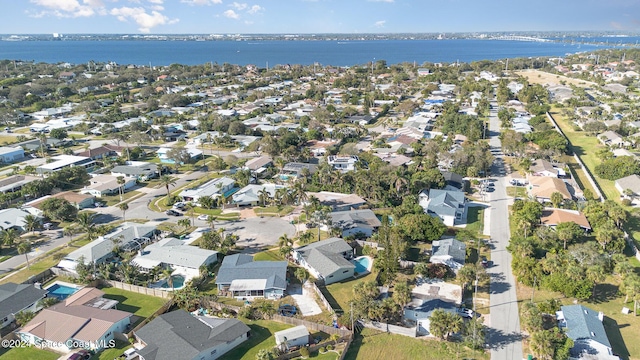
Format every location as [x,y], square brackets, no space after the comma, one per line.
[15,297]
[242,266]
[583,324]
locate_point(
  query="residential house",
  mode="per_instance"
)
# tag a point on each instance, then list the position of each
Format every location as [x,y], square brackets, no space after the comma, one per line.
[343,163]
[140,170]
[553,217]
[15,183]
[296,336]
[213,188]
[355,222]
[19,297]
[338,201]
[63,161]
[542,187]
[584,326]
[613,139]
[180,335]
[250,195]
[419,311]
[450,252]
[629,186]
[164,157]
[175,254]
[10,154]
[12,218]
[105,185]
[129,236]
[98,153]
[296,169]
[542,167]
[454,181]
[327,260]
[80,201]
[84,318]
[258,165]
[244,278]
[448,205]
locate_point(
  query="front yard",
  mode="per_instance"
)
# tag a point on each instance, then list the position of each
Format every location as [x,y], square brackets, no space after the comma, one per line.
[371,344]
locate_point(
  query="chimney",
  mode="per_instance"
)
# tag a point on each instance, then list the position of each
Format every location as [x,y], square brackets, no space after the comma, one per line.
[600,316]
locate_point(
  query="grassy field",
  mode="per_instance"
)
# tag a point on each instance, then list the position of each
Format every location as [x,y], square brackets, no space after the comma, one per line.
[475,219]
[586,147]
[371,344]
[115,199]
[543,77]
[622,330]
[139,304]
[273,210]
[261,338]
[268,255]
[112,353]
[27,353]
[340,293]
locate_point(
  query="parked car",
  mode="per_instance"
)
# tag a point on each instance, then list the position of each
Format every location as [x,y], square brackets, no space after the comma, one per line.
[465,313]
[99,204]
[80,355]
[173,213]
[203,217]
[47,226]
[484,262]
[179,205]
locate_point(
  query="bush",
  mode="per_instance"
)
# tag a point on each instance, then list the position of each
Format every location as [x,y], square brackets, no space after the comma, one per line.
[304,352]
[322,350]
[329,347]
[626,202]
[246,312]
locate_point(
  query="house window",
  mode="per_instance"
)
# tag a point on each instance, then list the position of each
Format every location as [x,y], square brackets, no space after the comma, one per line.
[346,271]
[213,351]
[330,276]
[5,319]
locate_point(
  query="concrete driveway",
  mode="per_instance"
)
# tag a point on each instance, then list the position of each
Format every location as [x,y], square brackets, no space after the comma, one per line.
[305,299]
[257,233]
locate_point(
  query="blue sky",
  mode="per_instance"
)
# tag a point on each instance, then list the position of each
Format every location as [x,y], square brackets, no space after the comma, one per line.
[314,16]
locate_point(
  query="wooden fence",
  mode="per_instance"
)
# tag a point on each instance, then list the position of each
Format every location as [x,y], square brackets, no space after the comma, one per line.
[371,244]
[323,300]
[42,277]
[138,289]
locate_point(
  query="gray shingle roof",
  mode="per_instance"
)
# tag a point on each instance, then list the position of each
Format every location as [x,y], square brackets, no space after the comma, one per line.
[583,324]
[355,219]
[180,335]
[452,247]
[327,256]
[445,202]
[15,297]
[242,267]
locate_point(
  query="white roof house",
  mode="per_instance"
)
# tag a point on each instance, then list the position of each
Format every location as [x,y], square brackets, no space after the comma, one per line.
[176,254]
[11,154]
[63,161]
[213,188]
[250,194]
[12,218]
[295,336]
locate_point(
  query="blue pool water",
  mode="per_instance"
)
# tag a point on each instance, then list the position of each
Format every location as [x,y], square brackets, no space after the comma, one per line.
[178,282]
[362,265]
[61,291]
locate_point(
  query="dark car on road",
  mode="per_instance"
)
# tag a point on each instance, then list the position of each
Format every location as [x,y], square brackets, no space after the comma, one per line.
[173,212]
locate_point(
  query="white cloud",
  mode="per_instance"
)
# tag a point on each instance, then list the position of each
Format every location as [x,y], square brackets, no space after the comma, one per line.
[201,2]
[69,8]
[255,9]
[146,21]
[159,2]
[380,23]
[239,6]
[231,14]
[385,1]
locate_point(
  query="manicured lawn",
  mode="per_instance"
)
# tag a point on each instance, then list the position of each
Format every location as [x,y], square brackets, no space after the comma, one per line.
[138,304]
[622,330]
[112,353]
[371,344]
[28,353]
[50,260]
[115,199]
[517,191]
[475,219]
[340,293]
[261,338]
[268,255]
[273,210]
[586,147]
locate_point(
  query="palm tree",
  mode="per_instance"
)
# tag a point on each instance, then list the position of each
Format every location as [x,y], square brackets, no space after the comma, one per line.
[124,207]
[121,182]
[185,223]
[85,223]
[166,273]
[167,180]
[31,223]
[299,192]
[69,231]
[211,221]
[263,196]
[302,274]
[24,247]
[9,236]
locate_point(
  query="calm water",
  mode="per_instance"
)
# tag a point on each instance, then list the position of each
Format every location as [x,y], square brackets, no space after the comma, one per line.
[338,53]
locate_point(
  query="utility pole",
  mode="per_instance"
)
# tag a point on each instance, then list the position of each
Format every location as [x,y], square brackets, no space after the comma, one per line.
[353,329]
[533,290]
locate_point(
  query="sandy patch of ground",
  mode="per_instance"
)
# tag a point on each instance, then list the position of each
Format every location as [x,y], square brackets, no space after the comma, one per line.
[545,78]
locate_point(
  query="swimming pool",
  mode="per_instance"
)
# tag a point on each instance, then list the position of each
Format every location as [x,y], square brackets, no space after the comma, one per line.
[178,282]
[61,291]
[363,264]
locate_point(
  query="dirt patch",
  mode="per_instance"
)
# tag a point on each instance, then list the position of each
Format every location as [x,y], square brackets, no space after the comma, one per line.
[545,78]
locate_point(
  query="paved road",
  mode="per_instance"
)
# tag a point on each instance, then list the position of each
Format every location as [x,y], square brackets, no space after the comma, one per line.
[504,332]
